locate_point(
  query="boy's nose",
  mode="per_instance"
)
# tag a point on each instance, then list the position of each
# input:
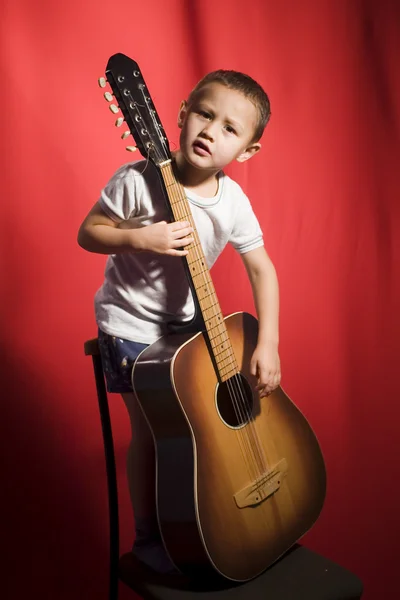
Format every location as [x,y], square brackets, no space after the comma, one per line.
[208,132]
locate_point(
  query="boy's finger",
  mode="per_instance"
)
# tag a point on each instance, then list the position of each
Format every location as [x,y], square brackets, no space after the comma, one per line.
[184,242]
[181,233]
[173,252]
[177,225]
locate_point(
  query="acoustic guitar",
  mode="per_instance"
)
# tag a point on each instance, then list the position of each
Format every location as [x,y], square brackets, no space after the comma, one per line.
[238,480]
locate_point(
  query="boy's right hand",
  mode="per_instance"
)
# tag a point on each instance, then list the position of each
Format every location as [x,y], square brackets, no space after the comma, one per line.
[166,238]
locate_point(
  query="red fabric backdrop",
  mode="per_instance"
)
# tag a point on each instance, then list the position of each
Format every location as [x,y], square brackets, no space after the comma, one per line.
[326,190]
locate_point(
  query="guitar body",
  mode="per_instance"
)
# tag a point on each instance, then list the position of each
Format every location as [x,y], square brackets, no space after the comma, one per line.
[235,489]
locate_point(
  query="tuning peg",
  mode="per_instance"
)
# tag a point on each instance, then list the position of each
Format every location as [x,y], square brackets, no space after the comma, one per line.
[102,82]
[131,148]
[108,96]
[119,121]
[114,108]
[125,134]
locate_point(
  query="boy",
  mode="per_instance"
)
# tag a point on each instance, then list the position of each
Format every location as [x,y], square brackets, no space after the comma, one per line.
[145,287]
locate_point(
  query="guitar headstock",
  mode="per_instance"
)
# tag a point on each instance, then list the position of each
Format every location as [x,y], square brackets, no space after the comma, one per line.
[133,98]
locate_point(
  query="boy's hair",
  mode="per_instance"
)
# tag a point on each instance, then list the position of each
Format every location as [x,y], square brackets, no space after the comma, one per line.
[235,80]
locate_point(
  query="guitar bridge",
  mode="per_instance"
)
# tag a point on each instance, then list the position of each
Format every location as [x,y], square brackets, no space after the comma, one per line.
[263,487]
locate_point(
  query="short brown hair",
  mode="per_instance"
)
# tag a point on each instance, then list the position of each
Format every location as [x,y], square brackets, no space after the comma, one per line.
[235,80]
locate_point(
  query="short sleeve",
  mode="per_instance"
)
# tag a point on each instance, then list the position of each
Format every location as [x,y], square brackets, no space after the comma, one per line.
[119,198]
[246,233]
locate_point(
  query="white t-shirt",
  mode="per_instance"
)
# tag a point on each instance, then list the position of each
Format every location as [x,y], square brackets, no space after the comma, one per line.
[143,292]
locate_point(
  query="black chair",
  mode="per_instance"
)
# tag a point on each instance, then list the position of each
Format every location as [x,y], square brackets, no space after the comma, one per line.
[299,575]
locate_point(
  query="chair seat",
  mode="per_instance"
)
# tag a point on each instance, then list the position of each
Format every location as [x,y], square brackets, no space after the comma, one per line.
[299,575]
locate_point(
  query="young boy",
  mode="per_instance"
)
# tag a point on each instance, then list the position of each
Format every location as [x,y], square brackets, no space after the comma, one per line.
[145,286]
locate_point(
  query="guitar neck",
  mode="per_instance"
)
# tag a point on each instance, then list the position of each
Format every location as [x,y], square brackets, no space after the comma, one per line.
[201,279]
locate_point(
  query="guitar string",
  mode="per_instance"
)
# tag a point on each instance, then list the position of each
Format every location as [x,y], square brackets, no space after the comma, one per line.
[255,446]
[245,451]
[240,404]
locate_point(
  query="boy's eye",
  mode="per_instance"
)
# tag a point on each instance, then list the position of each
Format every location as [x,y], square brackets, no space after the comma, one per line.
[205,114]
[230,129]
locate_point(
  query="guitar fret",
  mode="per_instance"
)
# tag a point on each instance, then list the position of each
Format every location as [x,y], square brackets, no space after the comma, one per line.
[176,201]
[207,299]
[226,362]
[211,316]
[232,370]
[212,326]
[196,265]
[191,247]
[206,289]
[217,354]
[215,337]
[206,295]
[197,273]
[180,210]
[218,342]
[197,282]
[214,312]
[210,313]
[212,305]
[221,354]
[200,260]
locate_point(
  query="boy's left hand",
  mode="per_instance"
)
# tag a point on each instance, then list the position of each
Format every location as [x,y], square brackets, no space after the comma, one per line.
[265,365]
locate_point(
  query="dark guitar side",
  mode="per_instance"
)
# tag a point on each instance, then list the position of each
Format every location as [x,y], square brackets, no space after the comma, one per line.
[201,465]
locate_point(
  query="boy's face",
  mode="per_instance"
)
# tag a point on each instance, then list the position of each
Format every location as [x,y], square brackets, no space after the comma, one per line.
[217,127]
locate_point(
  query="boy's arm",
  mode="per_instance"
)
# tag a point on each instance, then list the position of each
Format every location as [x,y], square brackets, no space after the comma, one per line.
[265,363]
[101,234]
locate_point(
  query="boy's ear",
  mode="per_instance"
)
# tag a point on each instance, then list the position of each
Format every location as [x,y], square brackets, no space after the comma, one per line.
[182,113]
[249,152]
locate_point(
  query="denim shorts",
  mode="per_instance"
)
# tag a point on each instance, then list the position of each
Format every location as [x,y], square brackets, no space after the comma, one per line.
[117,357]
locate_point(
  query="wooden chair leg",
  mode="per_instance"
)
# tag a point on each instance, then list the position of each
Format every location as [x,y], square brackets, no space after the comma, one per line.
[91,348]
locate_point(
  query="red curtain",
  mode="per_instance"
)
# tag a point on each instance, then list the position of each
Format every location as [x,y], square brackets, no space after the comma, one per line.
[326,190]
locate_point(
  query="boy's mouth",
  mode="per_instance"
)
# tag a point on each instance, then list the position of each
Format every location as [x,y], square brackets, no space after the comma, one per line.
[201,148]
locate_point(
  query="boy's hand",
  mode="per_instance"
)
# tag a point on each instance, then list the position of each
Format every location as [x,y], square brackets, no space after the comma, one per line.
[165,238]
[265,365]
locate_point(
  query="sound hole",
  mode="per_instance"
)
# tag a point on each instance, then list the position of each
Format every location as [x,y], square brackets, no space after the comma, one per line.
[235,401]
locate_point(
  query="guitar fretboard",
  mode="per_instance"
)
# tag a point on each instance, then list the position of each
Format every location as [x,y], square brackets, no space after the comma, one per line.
[207,299]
